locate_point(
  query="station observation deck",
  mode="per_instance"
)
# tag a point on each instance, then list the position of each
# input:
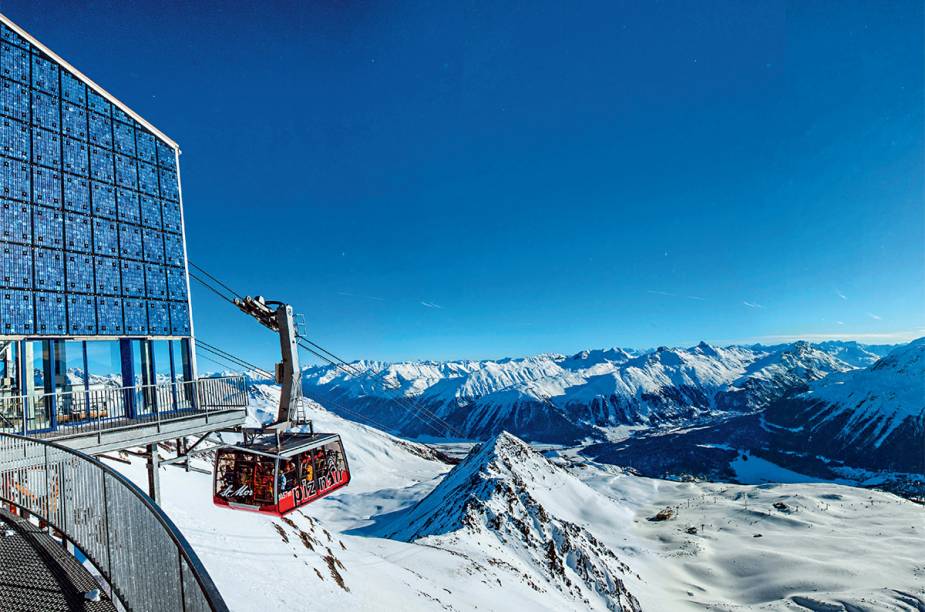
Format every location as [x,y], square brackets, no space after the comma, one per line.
[101,420]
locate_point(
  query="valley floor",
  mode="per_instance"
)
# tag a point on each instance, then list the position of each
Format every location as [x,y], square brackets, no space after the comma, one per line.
[726,547]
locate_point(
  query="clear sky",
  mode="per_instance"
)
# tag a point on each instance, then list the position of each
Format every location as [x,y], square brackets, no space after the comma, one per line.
[442,180]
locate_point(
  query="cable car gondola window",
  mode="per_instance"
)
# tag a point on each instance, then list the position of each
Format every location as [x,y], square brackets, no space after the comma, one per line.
[287,476]
[277,478]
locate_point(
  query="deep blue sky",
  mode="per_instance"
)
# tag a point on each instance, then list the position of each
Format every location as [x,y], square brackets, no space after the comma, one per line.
[474,180]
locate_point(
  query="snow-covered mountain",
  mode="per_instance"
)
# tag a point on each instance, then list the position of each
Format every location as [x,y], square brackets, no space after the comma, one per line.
[874,417]
[559,399]
[863,426]
[507,497]
[772,376]
[854,353]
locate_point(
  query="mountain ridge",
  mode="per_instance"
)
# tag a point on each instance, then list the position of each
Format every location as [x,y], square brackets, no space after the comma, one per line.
[505,495]
[556,398]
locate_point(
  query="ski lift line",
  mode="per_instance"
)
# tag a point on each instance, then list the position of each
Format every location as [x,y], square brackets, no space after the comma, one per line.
[364,418]
[438,425]
[229,359]
[226,287]
[399,400]
[230,356]
[236,366]
[220,361]
[415,412]
[242,364]
[223,361]
[353,370]
[441,425]
[217,351]
[227,365]
[211,288]
[357,372]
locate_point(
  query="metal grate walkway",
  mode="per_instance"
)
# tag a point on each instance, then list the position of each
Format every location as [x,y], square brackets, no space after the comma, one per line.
[38,575]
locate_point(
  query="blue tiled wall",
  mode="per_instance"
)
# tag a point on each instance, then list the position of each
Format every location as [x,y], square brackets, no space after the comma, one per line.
[90,224]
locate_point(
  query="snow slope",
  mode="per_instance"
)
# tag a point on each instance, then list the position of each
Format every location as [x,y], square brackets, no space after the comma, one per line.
[855,354]
[506,503]
[410,534]
[727,547]
[886,394]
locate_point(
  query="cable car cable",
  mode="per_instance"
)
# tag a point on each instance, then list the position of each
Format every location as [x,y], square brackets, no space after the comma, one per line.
[344,366]
[238,365]
[441,425]
[227,288]
[414,413]
[211,288]
[221,365]
[234,357]
[241,362]
[357,372]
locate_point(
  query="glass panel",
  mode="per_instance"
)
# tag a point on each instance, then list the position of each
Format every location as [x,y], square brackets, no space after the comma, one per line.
[72,382]
[182,373]
[140,359]
[104,364]
[75,376]
[10,407]
[167,394]
[146,397]
[162,370]
[41,408]
[181,359]
[38,371]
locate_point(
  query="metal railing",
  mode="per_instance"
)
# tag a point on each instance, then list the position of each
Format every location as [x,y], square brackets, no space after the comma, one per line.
[142,556]
[96,409]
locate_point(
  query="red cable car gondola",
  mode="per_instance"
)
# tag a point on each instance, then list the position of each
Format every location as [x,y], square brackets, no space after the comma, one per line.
[277,475]
[275,470]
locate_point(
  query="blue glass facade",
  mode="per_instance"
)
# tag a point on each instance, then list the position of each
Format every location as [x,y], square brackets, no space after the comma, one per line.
[91,237]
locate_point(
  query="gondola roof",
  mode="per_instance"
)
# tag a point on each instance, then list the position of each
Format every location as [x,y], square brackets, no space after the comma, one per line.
[290,444]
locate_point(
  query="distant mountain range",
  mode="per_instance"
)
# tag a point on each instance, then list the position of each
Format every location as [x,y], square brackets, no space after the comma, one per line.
[835,410]
[873,417]
[861,426]
[568,399]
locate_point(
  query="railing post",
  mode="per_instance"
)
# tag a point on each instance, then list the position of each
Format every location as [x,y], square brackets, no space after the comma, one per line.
[173,388]
[180,573]
[106,525]
[154,476]
[46,511]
